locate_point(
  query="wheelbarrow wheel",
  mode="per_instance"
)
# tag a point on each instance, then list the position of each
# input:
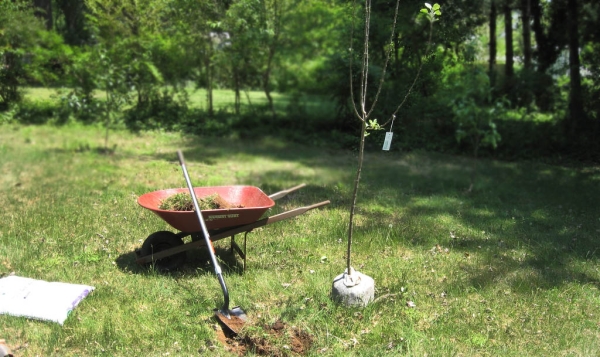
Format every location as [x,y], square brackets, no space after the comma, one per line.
[159,241]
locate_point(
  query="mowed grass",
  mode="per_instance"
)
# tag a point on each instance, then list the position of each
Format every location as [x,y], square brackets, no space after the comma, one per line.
[223,99]
[510,269]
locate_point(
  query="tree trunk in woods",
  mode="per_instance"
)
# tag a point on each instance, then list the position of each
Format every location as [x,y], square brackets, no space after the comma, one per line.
[43,10]
[545,53]
[526,97]
[526,18]
[539,33]
[576,116]
[493,44]
[74,29]
[509,69]
[267,90]
[272,48]
[547,45]
[236,85]
[209,89]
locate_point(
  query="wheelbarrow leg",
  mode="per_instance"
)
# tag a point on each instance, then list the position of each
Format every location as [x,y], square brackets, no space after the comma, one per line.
[245,235]
[236,248]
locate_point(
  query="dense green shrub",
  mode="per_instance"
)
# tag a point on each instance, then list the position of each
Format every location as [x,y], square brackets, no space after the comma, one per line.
[35,112]
[161,110]
[29,55]
[19,29]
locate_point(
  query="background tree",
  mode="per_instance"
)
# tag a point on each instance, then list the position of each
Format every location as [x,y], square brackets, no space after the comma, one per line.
[70,21]
[294,47]
[243,55]
[548,39]
[509,63]
[526,27]
[576,120]
[257,28]
[493,46]
[43,10]
[131,33]
[273,18]
[22,35]
[194,21]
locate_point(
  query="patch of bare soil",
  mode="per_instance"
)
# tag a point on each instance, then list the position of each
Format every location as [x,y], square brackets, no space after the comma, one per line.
[298,342]
[233,323]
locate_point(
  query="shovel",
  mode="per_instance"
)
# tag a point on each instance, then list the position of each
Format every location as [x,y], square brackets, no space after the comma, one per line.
[235,318]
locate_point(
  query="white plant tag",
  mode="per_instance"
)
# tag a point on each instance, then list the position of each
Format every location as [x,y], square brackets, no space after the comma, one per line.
[388,141]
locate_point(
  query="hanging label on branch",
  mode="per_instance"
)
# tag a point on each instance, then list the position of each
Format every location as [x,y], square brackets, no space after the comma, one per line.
[388,141]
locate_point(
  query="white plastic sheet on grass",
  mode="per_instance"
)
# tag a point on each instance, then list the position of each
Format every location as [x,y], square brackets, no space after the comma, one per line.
[38,299]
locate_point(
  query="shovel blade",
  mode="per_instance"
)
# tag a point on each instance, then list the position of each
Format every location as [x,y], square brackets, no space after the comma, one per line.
[233,319]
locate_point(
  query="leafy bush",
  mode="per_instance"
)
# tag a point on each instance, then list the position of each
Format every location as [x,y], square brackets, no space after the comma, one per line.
[28,53]
[18,30]
[8,116]
[35,112]
[162,110]
[76,105]
[469,95]
[528,138]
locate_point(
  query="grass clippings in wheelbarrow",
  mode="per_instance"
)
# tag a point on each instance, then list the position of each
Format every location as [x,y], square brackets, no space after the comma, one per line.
[183,202]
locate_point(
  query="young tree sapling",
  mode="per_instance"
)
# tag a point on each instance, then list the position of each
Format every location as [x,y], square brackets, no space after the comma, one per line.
[351,277]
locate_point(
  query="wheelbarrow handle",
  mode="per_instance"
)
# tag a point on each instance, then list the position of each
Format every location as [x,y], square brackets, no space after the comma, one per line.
[280,194]
[263,222]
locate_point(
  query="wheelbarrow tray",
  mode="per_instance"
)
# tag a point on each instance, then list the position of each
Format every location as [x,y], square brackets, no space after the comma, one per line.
[252,200]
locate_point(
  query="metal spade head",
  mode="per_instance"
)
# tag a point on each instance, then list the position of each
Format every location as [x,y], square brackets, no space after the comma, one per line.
[233,319]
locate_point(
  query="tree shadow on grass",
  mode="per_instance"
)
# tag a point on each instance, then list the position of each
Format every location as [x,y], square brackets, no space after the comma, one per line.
[545,214]
[533,207]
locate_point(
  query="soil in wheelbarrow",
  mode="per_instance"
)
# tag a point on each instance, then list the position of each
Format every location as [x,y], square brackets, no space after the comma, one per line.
[183,202]
[291,341]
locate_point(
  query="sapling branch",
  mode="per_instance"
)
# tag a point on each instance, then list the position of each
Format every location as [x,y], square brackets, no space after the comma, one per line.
[431,12]
[364,114]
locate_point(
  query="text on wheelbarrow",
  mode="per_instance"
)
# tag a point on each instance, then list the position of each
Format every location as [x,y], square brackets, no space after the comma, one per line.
[221,216]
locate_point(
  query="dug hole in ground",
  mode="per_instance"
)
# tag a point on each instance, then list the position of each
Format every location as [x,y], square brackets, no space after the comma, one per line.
[354,289]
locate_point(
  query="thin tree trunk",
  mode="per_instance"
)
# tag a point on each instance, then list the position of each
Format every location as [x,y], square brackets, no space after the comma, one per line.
[526,18]
[107,123]
[272,47]
[267,90]
[236,87]
[576,114]
[493,44]
[541,39]
[355,194]
[44,12]
[74,21]
[509,70]
[526,94]
[209,89]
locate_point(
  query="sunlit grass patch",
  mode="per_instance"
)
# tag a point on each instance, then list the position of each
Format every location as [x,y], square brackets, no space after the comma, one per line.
[508,269]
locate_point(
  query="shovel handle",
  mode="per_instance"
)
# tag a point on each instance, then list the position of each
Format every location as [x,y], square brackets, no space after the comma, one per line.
[206,235]
[180,157]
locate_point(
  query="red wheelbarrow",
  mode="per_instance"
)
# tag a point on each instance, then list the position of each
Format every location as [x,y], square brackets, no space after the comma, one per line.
[167,250]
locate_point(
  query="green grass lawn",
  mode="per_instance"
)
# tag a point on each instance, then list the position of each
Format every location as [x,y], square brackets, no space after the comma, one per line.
[510,269]
[223,99]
